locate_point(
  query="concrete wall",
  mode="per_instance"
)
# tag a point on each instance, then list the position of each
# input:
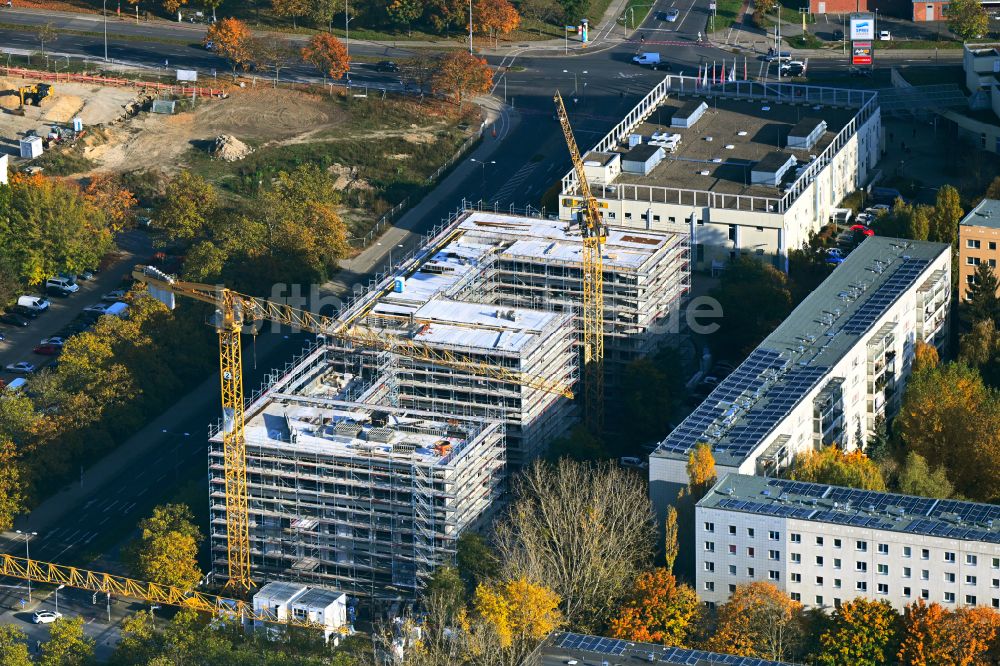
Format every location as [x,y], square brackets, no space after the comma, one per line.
[929,11]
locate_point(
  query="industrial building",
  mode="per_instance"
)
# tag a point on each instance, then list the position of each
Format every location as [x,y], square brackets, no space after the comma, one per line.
[754,168]
[837,363]
[561,648]
[826,545]
[364,466]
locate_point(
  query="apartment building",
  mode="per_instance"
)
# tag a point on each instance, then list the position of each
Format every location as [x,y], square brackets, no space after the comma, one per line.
[839,361]
[737,169]
[561,648]
[978,236]
[825,545]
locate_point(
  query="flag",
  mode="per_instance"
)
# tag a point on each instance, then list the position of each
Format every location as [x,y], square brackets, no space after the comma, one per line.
[744,68]
[722,72]
[704,77]
[732,72]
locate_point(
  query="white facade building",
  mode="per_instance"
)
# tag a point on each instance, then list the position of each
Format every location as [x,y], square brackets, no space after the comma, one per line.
[319,605]
[826,545]
[703,184]
[838,362]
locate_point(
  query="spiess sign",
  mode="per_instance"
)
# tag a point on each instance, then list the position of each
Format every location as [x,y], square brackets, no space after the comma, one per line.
[862,27]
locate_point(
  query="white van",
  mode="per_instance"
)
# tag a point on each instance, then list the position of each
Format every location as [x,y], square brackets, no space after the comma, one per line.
[62,284]
[647,59]
[35,303]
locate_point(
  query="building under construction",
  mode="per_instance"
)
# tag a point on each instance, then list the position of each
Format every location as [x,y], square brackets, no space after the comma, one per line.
[366,484]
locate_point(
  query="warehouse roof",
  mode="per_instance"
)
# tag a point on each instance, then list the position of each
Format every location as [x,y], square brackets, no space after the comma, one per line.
[924,516]
[747,406]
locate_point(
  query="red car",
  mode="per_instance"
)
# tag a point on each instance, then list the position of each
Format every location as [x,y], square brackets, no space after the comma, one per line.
[858,227]
[48,350]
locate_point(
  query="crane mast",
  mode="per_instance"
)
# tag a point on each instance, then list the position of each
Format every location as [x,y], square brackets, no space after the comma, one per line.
[594,234]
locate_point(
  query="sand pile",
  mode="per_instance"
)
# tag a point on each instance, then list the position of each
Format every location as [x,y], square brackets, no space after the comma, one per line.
[347,178]
[229,148]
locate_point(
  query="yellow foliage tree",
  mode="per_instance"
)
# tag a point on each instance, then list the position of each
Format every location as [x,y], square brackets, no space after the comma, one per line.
[166,551]
[925,356]
[759,620]
[510,619]
[832,465]
[700,470]
[670,538]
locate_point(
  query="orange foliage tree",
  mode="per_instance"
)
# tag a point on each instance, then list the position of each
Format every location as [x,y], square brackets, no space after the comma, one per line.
[174,7]
[462,74]
[232,40]
[495,18]
[862,633]
[759,620]
[925,356]
[658,610]
[934,636]
[327,54]
[108,195]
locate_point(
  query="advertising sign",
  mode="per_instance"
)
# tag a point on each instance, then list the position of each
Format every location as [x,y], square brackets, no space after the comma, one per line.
[862,53]
[862,27]
[187,75]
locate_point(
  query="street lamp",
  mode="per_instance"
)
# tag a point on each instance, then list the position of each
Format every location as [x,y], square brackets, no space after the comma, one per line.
[483,163]
[399,245]
[470,26]
[176,436]
[105,30]
[152,613]
[347,39]
[57,597]
[27,555]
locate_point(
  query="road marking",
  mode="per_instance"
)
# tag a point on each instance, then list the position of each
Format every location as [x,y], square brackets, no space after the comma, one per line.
[128,507]
[161,477]
[106,519]
[141,492]
[69,538]
[91,538]
[110,506]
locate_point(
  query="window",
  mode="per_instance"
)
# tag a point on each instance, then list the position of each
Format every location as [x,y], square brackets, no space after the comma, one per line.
[772,575]
[882,569]
[750,551]
[628,216]
[993,245]
[974,244]
[709,566]
[925,574]
[971,560]
[836,563]
[949,557]
[819,580]
[750,532]
[925,594]
[732,232]
[656,218]
[709,546]
[883,549]
[992,263]
[796,578]
[819,541]
[970,580]
[925,554]
[671,219]
[819,600]
[796,558]
[796,538]
[906,572]
[949,577]
[906,592]
[709,527]
[861,546]
[972,261]
[773,536]
[644,216]
[610,215]
[749,572]
[996,602]
[732,569]
[836,583]
[732,549]
[861,566]
[861,586]
[883,588]
[996,563]
[949,597]
[732,529]
[773,555]
[819,560]
[732,588]
[836,543]
[906,551]
[796,596]
[760,228]
[709,586]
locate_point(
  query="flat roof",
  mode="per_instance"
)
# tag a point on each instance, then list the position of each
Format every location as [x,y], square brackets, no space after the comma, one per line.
[319,597]
[688,108]
[641,152]
[480,325]
[742,132]
[746,407]
[279,591]
[602,158]
[561,648]
[805,127]
[772,162]
[910,514]
[985,214]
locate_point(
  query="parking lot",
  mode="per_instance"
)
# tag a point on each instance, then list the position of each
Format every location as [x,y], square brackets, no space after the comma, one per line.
[134,247]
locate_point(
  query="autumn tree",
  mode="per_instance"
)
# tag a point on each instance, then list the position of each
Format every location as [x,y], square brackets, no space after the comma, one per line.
[670,548]
[755,297]
[106,193]
[443,15]
[443,599]
[462,75]
[833,466]
[233,41]
[67,644]
[13,646]
[321,12]
[476,561]
[293,9]
[584,529]
[649,394]
[973,632]
[174,7]
[968,19]
[188,204]
[980,349]
[862,632]
[947,214]
[700,470]
[327,54]
[917,478]
[543,11]
[509,619]
[272,54]
[658,610]
[11,484]
[924,356]
[934,636]
[166,550]
[759,620]
[46,34]
[405,12]
[495,18]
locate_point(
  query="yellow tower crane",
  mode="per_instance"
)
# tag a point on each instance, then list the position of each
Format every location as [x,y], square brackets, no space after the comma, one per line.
[236,310]
[594,235]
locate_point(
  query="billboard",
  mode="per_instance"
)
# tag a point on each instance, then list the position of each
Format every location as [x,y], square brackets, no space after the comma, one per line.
[861,53]
[187,75]
[862,27]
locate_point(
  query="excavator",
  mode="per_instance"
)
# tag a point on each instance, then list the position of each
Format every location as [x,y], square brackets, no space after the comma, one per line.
[31,94]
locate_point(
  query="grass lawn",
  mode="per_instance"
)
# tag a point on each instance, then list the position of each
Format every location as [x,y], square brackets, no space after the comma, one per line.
[727,11]
[942,43]
[807,41]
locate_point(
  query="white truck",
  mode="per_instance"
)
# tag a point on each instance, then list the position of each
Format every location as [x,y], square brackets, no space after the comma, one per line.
[648,60]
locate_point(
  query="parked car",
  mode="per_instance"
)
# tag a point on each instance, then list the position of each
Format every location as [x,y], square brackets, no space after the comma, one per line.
[13,319]
[45,617]
[36,303]
[55,341]
[884,36]
[48,350]
[633,462]
[86,275]
[62,284]
[386,66]
[792,69]
[112,296]
[838,35]
[97,308]
[27,313]
[22,367]
[671,15]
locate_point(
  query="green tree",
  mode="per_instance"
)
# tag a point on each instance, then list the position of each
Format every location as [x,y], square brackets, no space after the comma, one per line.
[166,550]
[917,478]
[580,444]
[862,633]
[476,561]
[878,447]
[946,216]
[12,500]
[293,9]
[405,12]
[754,298]
[13,646]
[140,643]
[981,301]
[968,19]
[444,15]
[808,267]
[649,394]
[188,203]
[321,12]
[67,645]
[980,348]
[833,466]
